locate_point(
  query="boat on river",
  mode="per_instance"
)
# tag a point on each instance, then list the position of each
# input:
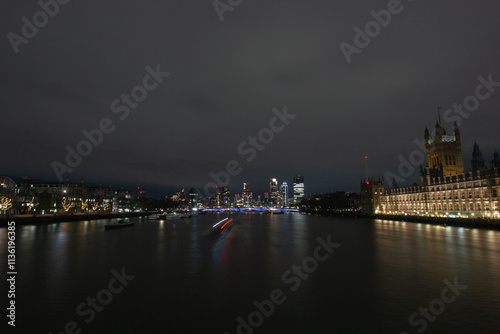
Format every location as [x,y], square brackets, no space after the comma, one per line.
[178,215]
[118,224]
[221,226]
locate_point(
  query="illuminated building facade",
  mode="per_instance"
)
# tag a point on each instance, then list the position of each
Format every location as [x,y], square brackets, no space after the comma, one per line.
[226,197]
[238,202]
[284,195]
[298,188]
[7,183]
[273,192]
[444,151]
[30,197]
[445,190]
[246,195]
[266,199]
[193,198]
[472,194]
[221,198]
[371,195]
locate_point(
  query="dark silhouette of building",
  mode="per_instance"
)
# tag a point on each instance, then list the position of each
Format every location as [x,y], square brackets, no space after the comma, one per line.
[477,162]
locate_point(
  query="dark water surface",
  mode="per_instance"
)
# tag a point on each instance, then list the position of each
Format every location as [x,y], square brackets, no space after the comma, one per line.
[187,281]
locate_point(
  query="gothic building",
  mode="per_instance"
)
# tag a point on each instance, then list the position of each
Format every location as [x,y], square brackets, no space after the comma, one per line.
[444,151]
[445,189]
[477,162]
[370,197]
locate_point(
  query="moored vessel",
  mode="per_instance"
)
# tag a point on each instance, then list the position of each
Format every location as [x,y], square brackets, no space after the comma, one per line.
[118,224]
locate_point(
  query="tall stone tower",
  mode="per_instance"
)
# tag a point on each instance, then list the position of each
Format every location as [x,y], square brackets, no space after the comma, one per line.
[495,163]
[444,152]
[477,162]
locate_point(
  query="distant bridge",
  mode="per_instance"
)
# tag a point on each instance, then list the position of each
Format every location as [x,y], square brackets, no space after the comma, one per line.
[250,210]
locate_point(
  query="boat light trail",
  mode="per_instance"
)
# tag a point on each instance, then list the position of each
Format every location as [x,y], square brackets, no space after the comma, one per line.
[226,223]
[223,220]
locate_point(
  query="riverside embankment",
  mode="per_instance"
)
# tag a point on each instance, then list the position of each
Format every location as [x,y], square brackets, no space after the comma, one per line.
[60,217]
[493,224]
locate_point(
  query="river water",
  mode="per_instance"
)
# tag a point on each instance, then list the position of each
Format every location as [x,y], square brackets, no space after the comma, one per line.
[268,273]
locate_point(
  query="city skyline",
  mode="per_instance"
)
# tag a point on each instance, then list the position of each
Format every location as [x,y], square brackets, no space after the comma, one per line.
[196,100]
[240,191]
[157,192]
[250,167]
[442,161]
[261,187]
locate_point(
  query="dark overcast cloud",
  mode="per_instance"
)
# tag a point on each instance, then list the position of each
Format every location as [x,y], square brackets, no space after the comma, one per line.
[226,78]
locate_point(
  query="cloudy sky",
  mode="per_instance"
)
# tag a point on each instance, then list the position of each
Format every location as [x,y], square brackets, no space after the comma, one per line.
[226,77]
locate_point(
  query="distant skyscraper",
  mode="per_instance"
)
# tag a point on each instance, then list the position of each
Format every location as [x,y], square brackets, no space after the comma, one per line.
[273,191]
[246,195]
[217,197]
[284,195]
[237,200]
[226,197]
[193,197]
[298,188]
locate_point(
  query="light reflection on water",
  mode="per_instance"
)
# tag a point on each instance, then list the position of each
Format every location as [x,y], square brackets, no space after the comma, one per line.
[383,272]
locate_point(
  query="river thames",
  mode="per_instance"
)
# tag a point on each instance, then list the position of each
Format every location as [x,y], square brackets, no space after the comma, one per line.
[268,273]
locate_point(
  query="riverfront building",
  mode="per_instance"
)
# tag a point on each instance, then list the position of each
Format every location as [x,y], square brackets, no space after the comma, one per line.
[444,151]
[284,195]
[298,188]
[273,191]
[445,190]
[246,195]
[31,197]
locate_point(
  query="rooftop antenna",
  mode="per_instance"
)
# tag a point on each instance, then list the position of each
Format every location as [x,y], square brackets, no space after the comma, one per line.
[366,167]
[439,114]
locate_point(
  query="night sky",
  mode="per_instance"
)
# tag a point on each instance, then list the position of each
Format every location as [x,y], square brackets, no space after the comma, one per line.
[226,77]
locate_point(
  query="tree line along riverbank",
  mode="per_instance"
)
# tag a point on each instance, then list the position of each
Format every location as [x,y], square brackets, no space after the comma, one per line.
[54,218]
